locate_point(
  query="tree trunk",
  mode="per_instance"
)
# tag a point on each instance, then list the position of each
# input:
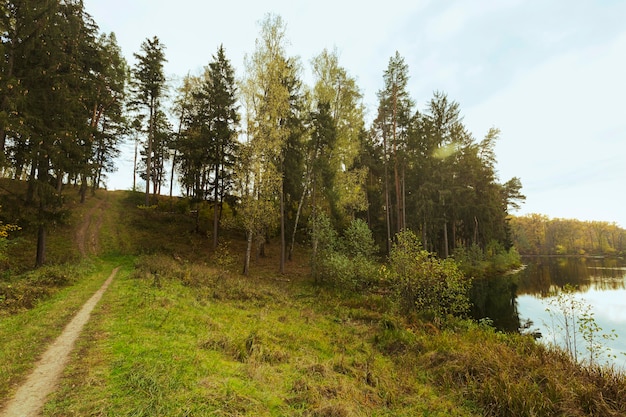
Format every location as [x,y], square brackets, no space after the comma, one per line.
[403,198]
[135,165]
[475,230]
[387,208]
[215,206]
[42,178]
[445,239]
[282,228]
[396,174]
[246,261]
[83,188]
[295,226]
[59,178]
[149,153]
[10,59]
[30,191]
[41,245]
[172,177]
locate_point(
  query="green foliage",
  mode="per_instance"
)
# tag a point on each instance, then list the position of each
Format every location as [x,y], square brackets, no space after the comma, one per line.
[4,234]
[358,240]
[470,259]
[346,261]
[433,287]
[224,258]
[536,234]
[324,237]
[495,259]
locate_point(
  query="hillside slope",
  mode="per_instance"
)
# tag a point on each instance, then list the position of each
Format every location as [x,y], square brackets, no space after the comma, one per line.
[180,332]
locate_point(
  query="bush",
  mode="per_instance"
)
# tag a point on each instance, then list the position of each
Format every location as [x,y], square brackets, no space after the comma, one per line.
[347,261]
[25,291]
[433,286]
[351,273]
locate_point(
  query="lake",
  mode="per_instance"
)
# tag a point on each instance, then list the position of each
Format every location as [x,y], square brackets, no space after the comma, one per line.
[514,299]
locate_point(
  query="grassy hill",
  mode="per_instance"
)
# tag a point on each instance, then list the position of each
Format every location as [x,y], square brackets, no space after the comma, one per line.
[181,332]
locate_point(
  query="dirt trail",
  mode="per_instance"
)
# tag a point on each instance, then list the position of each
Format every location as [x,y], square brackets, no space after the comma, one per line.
[31,396]
[88,231]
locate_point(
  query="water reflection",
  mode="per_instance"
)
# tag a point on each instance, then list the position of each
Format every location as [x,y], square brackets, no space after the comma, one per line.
[544,275]
[495,299]
[512,299]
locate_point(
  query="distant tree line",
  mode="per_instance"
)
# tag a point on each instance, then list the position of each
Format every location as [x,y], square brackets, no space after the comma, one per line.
[536,234]
[273,151]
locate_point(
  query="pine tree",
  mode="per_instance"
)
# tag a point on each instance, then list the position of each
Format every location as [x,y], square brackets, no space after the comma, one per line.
[50,58]
[108,119]
[393,121]
[149,85]
[223,119]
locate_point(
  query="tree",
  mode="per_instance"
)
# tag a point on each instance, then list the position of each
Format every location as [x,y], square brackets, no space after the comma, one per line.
[51,56]
[338,119]
[323,139]
[108,119]
[223,119]
[393,122]
[191,144]
[149,86]
[269,92]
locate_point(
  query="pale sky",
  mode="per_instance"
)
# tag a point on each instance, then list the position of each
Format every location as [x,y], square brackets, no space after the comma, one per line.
[549,74]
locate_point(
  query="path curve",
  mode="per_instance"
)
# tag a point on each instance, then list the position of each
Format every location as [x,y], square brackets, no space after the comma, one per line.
[31,396]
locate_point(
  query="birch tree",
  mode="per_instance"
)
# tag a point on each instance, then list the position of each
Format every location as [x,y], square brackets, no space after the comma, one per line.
[267,90]
[337,98]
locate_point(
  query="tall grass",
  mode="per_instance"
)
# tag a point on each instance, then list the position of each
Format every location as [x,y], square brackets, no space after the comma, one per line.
[198,342]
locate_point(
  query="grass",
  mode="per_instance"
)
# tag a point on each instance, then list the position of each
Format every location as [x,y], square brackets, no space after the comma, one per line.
[180,332]
[234,346]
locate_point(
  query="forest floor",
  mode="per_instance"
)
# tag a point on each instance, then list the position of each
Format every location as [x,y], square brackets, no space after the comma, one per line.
[87,233]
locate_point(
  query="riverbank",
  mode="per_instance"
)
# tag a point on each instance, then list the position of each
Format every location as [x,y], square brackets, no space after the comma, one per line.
[181,332]
[200,341]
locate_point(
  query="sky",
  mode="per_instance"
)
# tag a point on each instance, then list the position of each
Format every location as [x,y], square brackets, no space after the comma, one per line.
[549,74]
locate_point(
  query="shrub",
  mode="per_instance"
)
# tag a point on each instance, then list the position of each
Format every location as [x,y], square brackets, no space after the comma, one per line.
[4,233]
[346,262]
[433,286]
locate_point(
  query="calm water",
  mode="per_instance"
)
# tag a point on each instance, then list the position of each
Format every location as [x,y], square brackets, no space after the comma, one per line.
[514,299]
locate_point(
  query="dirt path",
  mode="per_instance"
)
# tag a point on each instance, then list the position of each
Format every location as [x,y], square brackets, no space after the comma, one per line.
[31,396]
[89,228]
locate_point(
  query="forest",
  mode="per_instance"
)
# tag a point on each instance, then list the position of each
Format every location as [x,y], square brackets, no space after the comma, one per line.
[266,154]
[537,234]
